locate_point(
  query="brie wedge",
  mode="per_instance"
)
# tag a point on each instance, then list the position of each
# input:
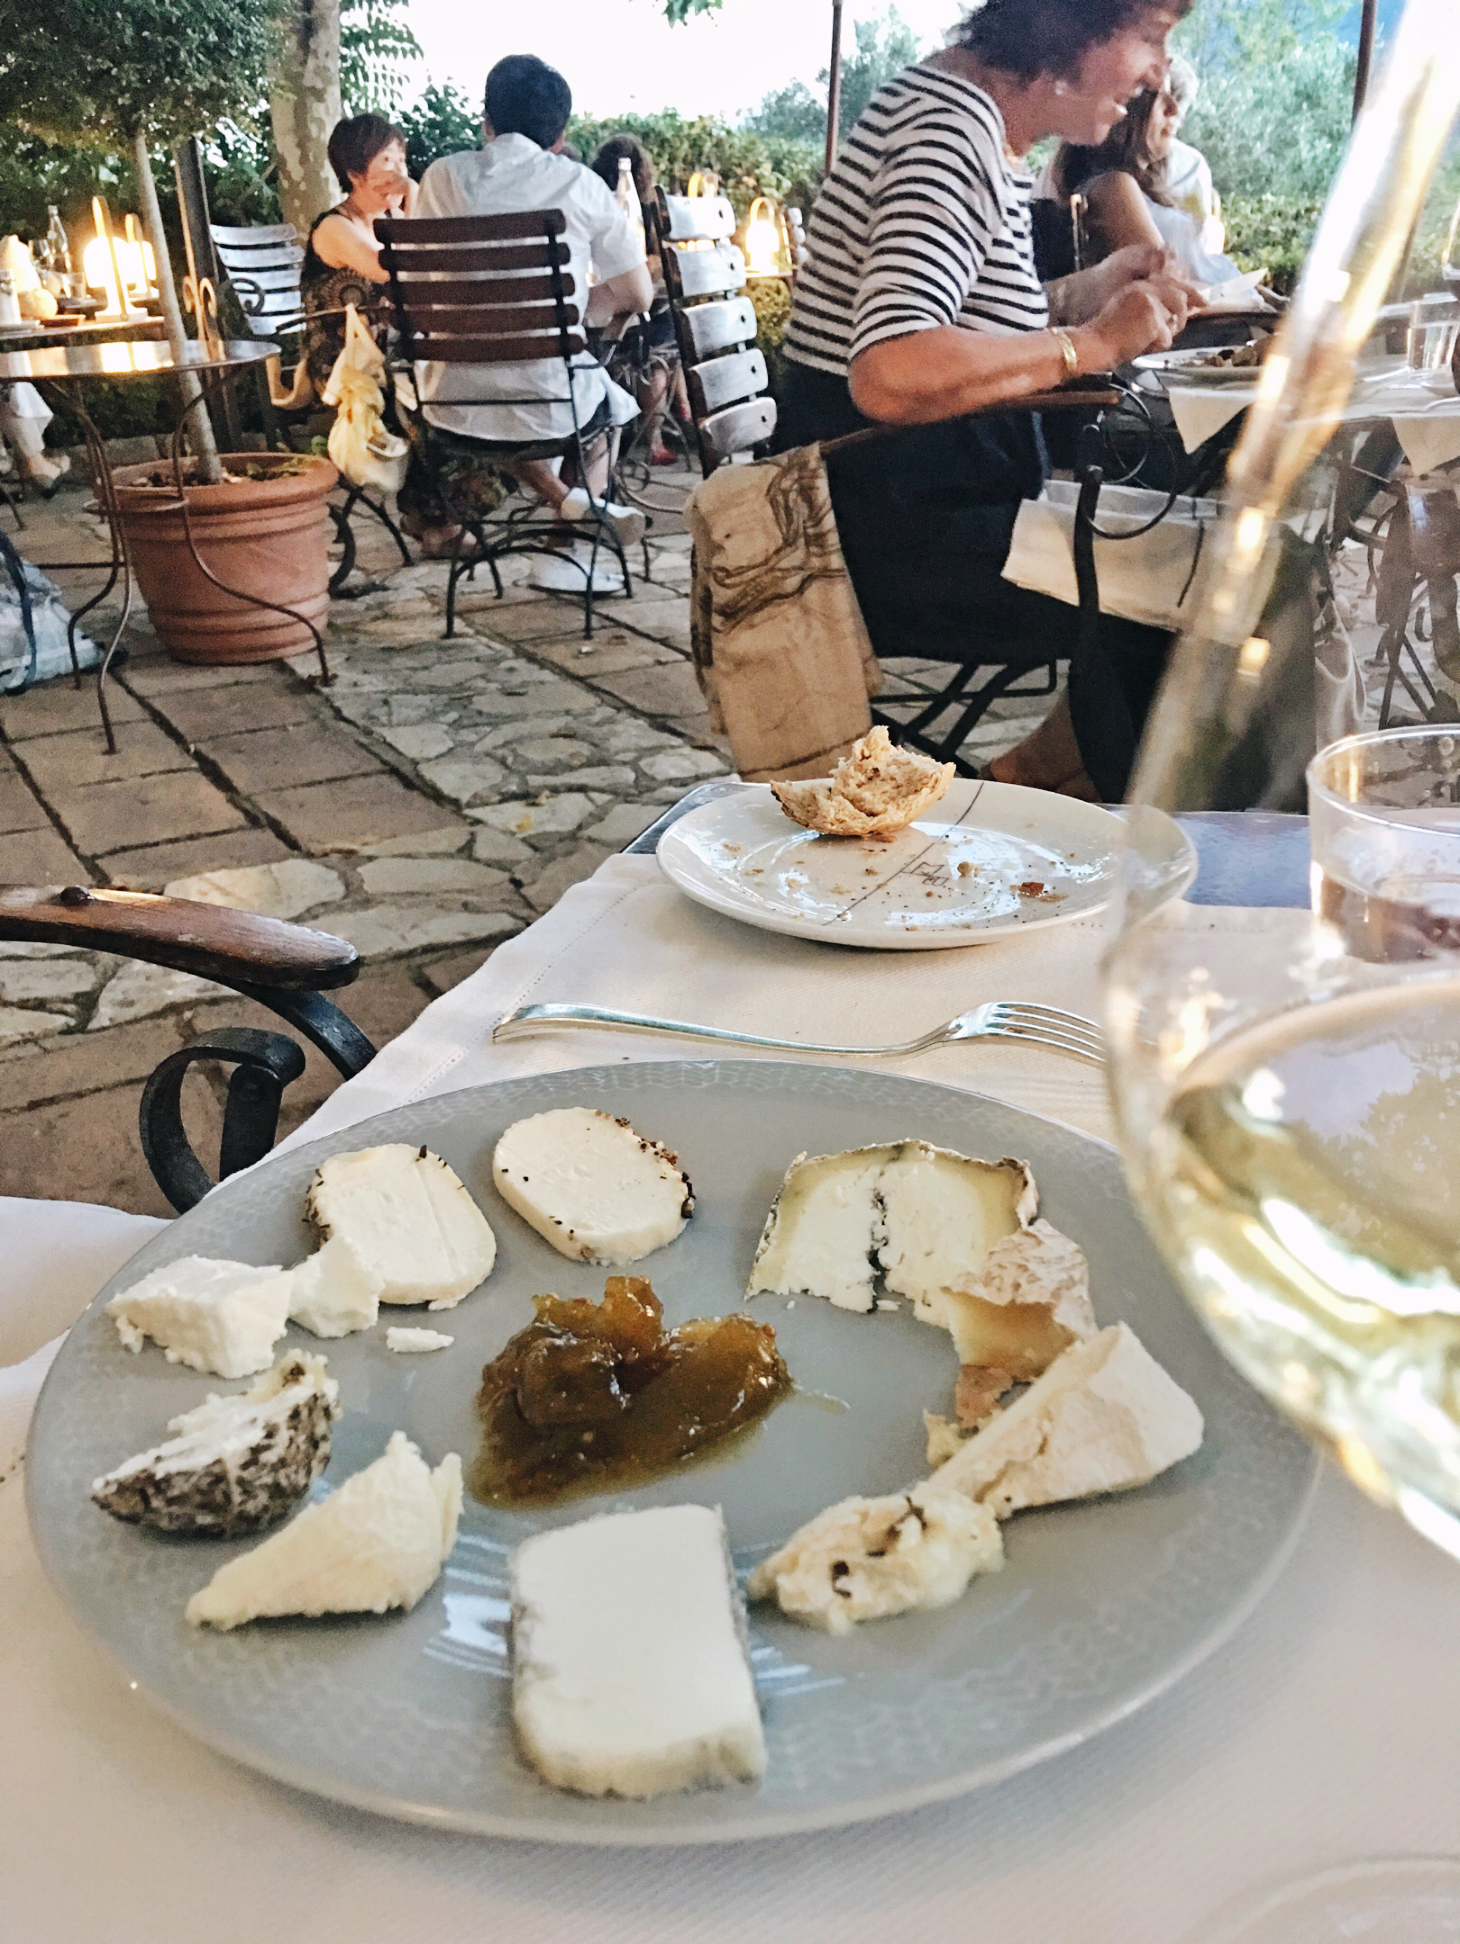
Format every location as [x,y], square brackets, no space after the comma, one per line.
[1025,1302]
[629,1667]
[224,1317]
[1105,1417]
[410,1218]
[234,1463]
[407,1342]
[591,1186]
[378,1542]
[866,1559]
[335,1291]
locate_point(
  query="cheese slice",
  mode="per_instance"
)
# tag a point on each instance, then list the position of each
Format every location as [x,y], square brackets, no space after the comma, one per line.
[1105,1417]
[223,1317]
[409,1217]
[234,1463]
[630,1673]
[939,1215]
[866,1559]
[817,1239]
[378,1542]
[591,1186]
[335,1290]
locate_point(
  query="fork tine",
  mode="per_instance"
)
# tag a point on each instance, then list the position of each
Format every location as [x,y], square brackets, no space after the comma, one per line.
[1048,1019]
[1077,1049]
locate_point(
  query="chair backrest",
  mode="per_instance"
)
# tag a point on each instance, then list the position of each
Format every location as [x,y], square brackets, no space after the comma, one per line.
[482,289]
[716,327]
[263,267]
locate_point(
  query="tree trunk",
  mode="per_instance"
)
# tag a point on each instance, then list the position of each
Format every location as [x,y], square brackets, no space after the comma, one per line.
[304,103]
[200,431]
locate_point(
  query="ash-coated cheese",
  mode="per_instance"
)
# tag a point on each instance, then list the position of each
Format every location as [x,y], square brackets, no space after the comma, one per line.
[629,1666]
[235,1463]
[867,1559]
[409,1218]
[377,1542]
[223,1317]
[1105,1417]
[592,1186]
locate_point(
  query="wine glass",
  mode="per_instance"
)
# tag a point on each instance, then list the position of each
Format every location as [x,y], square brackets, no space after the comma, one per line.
[1287,1105]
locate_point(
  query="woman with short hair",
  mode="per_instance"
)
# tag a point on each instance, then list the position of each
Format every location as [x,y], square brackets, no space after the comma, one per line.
[920,307]
[342,255]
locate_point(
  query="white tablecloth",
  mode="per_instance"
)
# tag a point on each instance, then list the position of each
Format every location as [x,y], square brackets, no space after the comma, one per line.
[1427,427]
[1328,1729]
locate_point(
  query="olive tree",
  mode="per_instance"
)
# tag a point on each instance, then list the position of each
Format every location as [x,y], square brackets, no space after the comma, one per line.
[134,74]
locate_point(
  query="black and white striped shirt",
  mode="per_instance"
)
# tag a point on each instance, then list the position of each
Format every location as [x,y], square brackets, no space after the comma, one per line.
[922,222]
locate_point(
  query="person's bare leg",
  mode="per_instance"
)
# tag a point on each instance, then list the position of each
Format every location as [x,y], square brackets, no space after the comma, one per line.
[1048,758]
[541,479]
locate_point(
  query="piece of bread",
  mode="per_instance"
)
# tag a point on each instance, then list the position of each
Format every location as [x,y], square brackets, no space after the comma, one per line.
[874,792]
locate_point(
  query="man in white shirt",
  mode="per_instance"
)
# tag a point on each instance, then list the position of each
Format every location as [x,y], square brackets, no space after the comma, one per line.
[521,166]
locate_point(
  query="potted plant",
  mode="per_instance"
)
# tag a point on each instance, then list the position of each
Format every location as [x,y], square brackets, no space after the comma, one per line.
[128,75]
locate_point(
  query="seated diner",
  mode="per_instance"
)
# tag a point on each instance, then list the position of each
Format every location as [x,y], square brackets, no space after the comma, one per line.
[920,309]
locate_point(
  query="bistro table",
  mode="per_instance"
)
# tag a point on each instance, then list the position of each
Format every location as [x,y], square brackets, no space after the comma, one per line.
[60,369]
[1320,1732]
[44,336]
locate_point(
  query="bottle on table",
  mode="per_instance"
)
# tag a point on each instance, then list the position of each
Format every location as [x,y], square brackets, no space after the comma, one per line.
[58,244]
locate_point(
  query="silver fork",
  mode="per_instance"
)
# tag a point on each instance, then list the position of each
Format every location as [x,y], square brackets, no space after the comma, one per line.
[1064,1032]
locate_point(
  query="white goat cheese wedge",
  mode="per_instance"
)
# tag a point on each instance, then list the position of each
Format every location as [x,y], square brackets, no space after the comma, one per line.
[817,1238]
[1024,1303]
[234,1463]
[335,1290]
[224,1317]
[591,1186]
[630,1674]
[1105,1417]
[378,1542]
[410,1218]
[866,1559]
[939,1215]
[408,1341]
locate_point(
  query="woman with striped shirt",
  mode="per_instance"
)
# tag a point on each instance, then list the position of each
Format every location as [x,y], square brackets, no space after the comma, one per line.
[920,305]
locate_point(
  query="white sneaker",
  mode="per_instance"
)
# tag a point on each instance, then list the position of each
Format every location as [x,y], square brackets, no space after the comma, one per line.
[565,571]
[626,521]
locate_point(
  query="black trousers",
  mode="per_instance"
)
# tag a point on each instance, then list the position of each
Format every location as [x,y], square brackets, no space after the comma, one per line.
[925,515]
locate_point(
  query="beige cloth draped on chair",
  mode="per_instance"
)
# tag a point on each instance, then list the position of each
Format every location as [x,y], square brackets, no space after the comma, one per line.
[780,648]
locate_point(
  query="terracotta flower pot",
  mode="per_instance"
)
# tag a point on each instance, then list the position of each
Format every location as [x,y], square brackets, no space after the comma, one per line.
[267,537]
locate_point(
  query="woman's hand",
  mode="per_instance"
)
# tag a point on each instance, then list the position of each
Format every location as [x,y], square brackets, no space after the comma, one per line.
[1145,316]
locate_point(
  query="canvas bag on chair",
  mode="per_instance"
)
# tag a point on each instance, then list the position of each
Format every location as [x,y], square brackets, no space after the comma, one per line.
[359,444]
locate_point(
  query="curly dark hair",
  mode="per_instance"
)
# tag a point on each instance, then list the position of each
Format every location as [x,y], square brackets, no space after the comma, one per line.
[354,145]
[1027,38]
[1126,148]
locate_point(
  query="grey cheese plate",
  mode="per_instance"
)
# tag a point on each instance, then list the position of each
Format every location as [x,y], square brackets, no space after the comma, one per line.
[1100,1606]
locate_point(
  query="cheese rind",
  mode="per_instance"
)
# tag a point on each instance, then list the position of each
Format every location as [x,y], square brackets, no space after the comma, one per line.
[866,1559]
[378,1542]
[234,1463]
[335,1290]
[630,1674]
[409,1218]
[591,1186]
[223,1317]
[1025,1302]
[1105,1417]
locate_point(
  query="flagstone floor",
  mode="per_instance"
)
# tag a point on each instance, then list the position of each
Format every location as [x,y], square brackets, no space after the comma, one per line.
[435,798]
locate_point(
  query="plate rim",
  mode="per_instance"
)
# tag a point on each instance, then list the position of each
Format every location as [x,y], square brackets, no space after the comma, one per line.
[692,1832]
[789,925]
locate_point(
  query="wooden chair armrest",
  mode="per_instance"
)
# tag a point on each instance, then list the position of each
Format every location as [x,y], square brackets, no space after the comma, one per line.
[234,947]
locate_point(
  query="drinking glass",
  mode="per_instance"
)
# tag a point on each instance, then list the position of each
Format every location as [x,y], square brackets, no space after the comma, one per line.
[1288,1098]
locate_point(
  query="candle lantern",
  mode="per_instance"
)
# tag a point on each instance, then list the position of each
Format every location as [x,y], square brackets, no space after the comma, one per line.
[768,251]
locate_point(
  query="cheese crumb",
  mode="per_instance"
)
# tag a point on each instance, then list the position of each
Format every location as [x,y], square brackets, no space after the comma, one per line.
[407,1341]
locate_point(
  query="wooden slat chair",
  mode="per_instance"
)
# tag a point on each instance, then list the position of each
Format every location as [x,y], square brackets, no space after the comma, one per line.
[492,290]
[285,968]
[262,267]
[716,327]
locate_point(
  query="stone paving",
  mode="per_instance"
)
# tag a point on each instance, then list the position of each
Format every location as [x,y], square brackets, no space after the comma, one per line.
[435,798]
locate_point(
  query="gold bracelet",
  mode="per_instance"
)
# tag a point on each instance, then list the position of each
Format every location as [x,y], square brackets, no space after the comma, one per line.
[1067,350]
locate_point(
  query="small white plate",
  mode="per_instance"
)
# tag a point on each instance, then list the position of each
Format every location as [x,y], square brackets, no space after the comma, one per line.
[1195,368]
[989,860]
